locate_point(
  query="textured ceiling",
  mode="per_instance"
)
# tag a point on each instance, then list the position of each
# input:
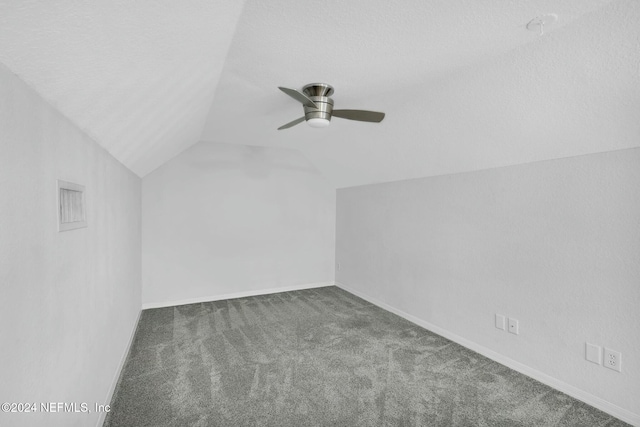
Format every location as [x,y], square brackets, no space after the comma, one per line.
[465,86]
[137,76]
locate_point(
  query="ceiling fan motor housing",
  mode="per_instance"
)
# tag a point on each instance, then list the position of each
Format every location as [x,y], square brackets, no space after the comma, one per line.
[325,105]
[319,93]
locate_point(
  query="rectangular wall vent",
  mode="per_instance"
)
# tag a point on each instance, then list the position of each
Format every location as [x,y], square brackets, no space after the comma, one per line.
[71,206]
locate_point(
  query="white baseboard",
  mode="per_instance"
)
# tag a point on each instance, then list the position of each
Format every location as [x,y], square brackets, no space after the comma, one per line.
[596,402]
[114,383]
[236,295]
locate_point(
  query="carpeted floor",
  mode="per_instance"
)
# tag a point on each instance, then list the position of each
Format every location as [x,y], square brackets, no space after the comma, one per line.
[320,357]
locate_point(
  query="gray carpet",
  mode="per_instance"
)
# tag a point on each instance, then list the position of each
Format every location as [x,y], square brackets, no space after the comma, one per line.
[320,357]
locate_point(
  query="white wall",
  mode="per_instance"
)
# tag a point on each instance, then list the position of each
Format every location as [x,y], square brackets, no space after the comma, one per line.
[554,244]
[69,301]
[224,219]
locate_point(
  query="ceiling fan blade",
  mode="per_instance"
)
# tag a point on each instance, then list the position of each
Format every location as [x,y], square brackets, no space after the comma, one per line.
[292,124]
[360,115]
[299,96]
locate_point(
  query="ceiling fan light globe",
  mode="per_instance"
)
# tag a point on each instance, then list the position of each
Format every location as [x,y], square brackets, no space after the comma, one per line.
[318,123]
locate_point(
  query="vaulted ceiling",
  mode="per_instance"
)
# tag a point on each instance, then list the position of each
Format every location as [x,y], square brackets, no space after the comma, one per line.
[464,84]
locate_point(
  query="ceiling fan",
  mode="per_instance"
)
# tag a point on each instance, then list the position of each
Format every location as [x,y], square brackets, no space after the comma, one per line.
[318,107]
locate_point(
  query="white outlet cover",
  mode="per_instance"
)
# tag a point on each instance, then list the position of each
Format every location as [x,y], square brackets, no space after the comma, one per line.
[513,326]
[593,352]
[612,359]
[500,324]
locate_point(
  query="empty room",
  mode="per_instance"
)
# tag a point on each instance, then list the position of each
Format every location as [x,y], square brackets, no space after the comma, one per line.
[337,213]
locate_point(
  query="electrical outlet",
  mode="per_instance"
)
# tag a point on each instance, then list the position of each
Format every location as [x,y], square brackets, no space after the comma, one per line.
[500,321]
[613,359]
[593,353]
[513,326]
[338,266]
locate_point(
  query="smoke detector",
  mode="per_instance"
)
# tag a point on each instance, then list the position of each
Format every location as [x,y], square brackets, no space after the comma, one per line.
[541,22]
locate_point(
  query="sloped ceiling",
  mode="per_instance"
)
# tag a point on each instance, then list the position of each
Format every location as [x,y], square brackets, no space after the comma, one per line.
[137,76]
[465,86]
